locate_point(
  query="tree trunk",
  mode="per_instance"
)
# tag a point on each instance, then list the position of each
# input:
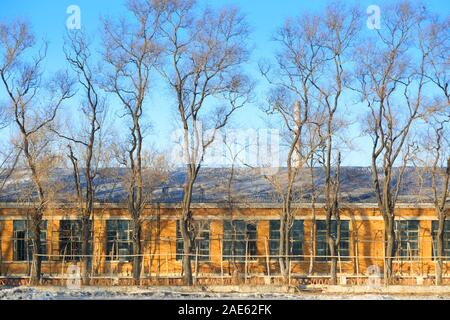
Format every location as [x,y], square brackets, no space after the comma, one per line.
[137,250]
[312,247]
[332,247]
[440,249]
[187,249]
[333,267]
[283,259]
[36,259]
[186,223]
[85,260]
[389,250]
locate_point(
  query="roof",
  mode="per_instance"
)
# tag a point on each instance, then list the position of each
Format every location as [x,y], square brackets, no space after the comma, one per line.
[248,186]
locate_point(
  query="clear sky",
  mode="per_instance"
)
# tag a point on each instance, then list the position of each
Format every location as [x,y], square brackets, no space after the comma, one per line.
[48,18]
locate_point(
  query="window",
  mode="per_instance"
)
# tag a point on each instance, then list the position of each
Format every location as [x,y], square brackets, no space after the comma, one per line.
[295,239]
[70,239]
[435,226]
[119,244]
[239,240]
[202,232]
[407,235]
[23,240]
[322,248]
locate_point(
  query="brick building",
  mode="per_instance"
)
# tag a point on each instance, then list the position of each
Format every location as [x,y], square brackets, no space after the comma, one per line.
[240,235]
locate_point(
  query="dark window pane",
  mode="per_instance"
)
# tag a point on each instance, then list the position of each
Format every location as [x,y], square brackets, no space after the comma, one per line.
[70,239]
[407,239]
[239,240]
[201,244]
[274,238]
[23,240]
[295,239]
[435,225]
[119,243]
[322,248]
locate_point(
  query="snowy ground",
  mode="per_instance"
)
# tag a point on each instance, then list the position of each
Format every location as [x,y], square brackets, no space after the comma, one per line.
[127,293]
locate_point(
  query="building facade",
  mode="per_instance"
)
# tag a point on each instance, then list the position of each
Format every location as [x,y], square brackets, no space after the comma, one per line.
[238,244]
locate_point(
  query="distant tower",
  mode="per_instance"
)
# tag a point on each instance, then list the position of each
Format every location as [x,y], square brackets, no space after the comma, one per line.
[297,158]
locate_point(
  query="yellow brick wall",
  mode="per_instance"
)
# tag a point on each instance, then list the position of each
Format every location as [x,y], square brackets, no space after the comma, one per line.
[159,241]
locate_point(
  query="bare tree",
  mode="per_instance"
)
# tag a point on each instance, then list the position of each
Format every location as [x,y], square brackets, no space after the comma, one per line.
[85,146]
[440,201]
[434,39]
[311,69]
[314,196]
[294,100]
[132,51]
[205,53]
[34,105]
[339,30]
[436,156]
[9,156]
[391,81]
[234,151]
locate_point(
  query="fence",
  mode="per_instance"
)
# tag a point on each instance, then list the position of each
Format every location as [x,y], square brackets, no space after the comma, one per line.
[165,266]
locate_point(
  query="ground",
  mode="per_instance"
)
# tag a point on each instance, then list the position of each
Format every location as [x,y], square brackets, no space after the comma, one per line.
[178,293]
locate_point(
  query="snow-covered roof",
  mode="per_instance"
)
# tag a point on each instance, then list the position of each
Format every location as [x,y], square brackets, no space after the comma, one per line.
[248,185]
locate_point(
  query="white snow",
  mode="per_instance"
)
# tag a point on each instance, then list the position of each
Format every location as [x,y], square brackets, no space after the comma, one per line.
[171,293]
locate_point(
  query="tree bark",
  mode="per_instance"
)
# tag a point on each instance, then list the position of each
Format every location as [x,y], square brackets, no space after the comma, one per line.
[389,249]
[284,237]
[186,227]
[440,248]
[36,259]
[137,251]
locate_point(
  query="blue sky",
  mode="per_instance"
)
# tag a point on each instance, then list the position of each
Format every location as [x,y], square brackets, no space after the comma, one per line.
[48,18]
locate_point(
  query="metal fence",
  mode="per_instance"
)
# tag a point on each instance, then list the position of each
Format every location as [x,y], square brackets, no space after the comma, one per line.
[262,268]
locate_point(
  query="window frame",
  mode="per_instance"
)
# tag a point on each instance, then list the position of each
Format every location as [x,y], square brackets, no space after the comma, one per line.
[74,238]
[274,240]
[205,239]
[116,241]
[345,240]
[400,241]
[27,240]
[247,234]
[434,230]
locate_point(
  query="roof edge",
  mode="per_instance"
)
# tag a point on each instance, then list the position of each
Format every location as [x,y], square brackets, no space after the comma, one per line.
[220,205]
